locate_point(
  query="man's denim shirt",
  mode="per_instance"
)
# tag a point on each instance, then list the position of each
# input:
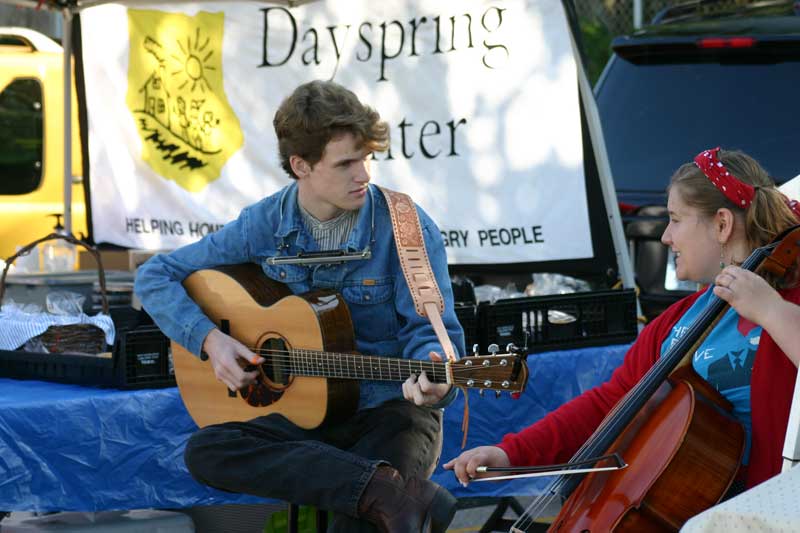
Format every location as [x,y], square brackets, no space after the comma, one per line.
[384,318]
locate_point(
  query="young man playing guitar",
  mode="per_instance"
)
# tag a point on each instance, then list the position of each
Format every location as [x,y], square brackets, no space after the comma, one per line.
[371,469]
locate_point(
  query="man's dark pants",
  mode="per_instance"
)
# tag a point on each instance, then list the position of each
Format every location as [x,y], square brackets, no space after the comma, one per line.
[327,467]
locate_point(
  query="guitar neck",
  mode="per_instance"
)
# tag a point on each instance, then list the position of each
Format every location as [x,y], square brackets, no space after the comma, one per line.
[356,366]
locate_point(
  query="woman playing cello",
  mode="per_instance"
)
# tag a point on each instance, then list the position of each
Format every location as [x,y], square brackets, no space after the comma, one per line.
[721,206]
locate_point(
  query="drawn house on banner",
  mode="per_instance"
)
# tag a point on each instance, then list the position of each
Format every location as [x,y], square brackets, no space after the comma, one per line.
[183,115]
[156,97]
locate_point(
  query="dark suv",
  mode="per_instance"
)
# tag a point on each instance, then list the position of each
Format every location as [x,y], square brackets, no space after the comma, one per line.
[696,78]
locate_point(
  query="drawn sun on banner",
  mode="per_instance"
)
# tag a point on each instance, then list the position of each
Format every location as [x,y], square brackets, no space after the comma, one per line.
[176,95]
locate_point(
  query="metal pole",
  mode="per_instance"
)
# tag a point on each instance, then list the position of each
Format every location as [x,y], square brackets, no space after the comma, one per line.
[67,43]
[604,171]
[637,14]
[791,444]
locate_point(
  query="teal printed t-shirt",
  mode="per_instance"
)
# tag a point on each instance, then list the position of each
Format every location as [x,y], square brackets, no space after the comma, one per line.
[725,359]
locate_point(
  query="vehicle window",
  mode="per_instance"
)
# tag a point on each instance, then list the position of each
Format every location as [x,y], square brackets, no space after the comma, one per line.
[13,40]
[657,116]
[21,141]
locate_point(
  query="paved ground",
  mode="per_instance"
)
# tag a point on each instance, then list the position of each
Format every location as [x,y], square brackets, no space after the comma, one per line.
[475,515]
[482,513]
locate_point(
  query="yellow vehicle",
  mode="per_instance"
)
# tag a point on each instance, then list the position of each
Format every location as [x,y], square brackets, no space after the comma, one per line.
[32,140]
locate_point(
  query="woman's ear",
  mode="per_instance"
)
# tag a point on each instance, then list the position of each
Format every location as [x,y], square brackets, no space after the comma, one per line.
[723,224]
[300,166]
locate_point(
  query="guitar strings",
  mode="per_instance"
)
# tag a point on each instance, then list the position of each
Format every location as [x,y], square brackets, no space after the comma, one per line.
[412,366]
[322,361]
[299,353]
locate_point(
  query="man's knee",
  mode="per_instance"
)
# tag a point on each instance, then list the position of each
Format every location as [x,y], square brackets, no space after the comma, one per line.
[202,453]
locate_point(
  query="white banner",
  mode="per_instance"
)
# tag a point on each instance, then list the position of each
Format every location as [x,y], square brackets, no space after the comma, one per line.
[481,97]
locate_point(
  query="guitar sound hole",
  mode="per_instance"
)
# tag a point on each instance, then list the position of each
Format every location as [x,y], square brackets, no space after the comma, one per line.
[277,363]
[276,368]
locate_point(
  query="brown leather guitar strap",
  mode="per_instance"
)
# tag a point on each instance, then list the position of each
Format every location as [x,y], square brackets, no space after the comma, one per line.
[419,276]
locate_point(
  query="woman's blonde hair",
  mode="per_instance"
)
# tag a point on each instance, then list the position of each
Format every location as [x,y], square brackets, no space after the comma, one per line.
[766,217]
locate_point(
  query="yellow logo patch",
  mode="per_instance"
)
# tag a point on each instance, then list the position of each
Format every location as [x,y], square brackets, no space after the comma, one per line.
[176,95]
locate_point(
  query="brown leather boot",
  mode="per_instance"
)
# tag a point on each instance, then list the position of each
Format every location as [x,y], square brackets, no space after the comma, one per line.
[399,506]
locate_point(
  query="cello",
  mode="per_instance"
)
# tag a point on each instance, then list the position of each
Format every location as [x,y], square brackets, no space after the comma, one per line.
[681,444]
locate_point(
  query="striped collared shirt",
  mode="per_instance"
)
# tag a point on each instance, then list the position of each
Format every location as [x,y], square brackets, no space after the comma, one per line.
[331,234]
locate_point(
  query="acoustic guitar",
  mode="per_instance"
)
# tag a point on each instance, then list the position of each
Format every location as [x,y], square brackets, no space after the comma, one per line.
[311,369]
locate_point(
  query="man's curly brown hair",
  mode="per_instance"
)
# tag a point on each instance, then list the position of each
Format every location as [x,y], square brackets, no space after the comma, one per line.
[317,112]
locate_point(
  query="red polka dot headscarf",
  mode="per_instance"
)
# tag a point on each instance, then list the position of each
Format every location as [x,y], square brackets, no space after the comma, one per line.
[735,190]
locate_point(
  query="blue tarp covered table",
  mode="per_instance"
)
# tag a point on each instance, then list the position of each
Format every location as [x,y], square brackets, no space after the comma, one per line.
[73,448]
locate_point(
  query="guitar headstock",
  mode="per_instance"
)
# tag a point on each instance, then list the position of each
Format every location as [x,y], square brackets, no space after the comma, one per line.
[500,372]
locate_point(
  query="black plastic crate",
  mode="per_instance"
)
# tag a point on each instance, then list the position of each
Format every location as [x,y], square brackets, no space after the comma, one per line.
[560,321]
[58,367]
[468,317]
[143,359]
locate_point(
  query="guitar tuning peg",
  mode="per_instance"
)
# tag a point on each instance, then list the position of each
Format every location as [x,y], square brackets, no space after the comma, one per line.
[480,391]
[475,349]
[493,349]
[511,348]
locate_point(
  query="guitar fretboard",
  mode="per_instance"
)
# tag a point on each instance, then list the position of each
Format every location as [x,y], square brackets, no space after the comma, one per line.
[356,366]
